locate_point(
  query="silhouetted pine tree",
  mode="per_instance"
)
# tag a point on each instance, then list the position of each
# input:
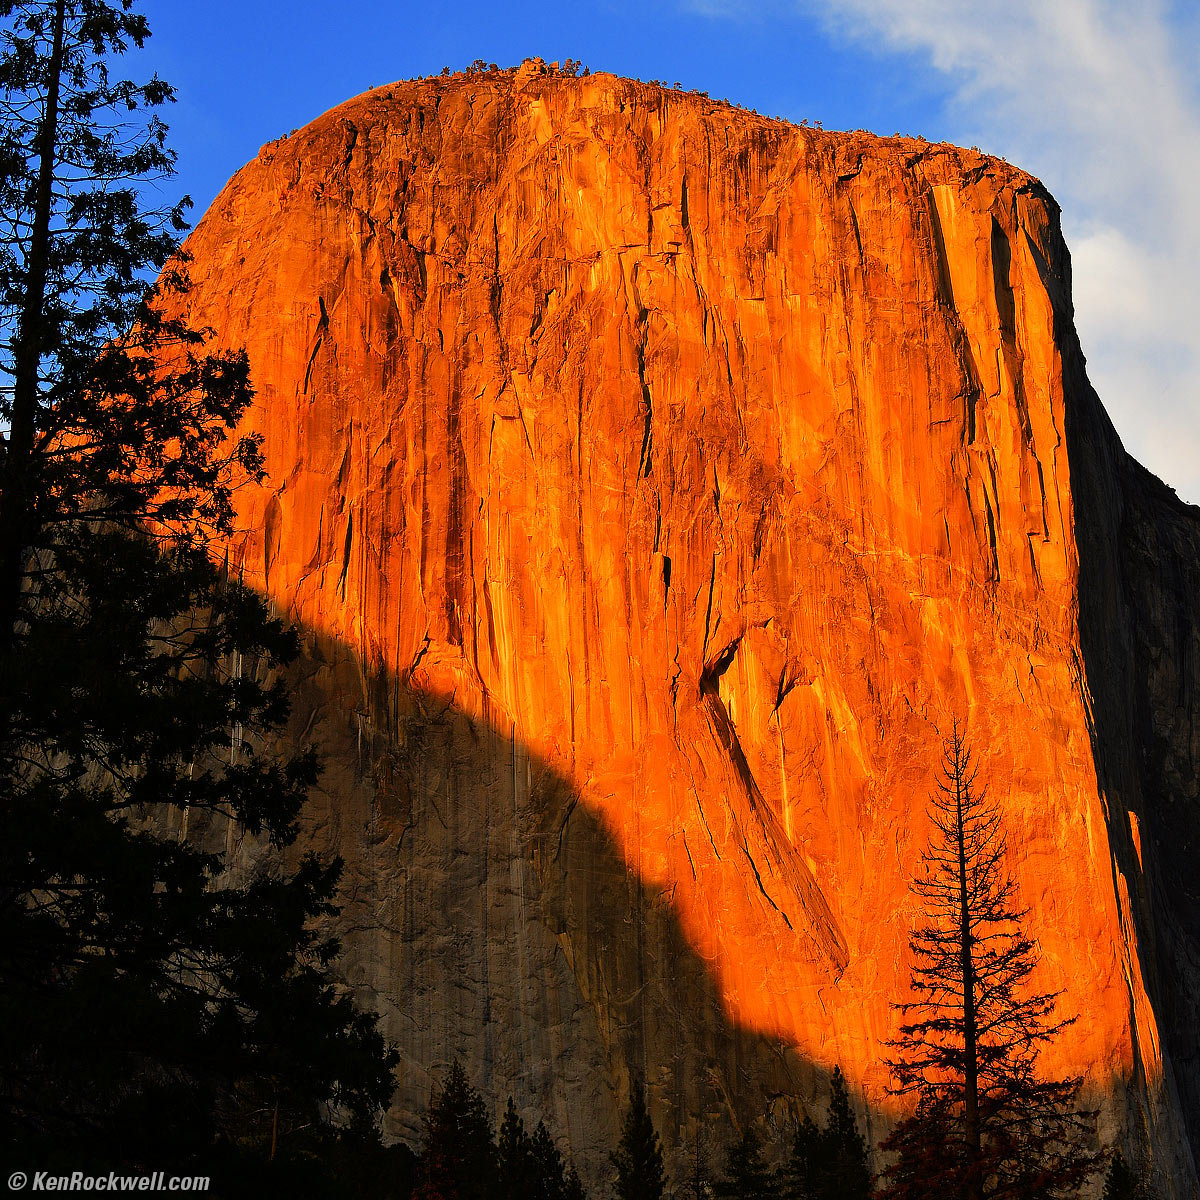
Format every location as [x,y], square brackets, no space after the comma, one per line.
[154,1008]
[1120,1183]
[986,1124]
[572,1186]
[638,1158]
[531,1168]
[802,1177]
[847,1175]
[926,1163]
[515,1168]
[458,1157]
[828,1163]
[747,1175]
[549,1171]
[699,1184]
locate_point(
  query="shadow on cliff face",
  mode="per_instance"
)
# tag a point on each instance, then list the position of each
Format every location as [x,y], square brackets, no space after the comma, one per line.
[1139,632]
[489,916]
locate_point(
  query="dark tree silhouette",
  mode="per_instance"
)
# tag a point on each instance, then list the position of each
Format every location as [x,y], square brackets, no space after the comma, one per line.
[549,1170]
[155,1006]
[926,1161]
[638,1158]
[747,1175]
[986,1125]
[572,1186]
[461,1161]
[802,1177]
[828,1163]
[1120,1183]
[515,1167]
[699,1185]
[458,1158]
[849,1176]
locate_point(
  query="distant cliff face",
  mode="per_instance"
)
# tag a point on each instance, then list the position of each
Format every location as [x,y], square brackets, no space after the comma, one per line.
[657,482]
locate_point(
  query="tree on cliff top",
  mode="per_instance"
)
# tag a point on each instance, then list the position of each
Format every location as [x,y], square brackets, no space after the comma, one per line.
[154,1006]
[986,1124]
[638,1158]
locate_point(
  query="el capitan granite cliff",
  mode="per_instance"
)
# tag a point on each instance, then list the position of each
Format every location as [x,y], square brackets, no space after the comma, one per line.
[654,483]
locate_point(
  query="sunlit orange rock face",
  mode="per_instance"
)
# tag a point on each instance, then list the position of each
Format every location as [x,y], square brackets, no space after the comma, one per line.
[657,482]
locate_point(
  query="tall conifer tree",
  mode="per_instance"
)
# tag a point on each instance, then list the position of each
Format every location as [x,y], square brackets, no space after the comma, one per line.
[550,1170]
[987,1123]
[847,1175]
[699,1174]
[155,1006]
[458,1158]
[638,1158]
[515,1168]
[747,1175]
[828,1163]
[802,1176]
[1120,1183]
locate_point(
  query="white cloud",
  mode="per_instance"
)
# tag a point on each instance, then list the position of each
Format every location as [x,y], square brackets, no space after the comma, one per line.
[1092,96]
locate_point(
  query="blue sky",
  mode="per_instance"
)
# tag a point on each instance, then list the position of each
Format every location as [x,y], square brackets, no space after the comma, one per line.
[1101,98]
[248,72]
